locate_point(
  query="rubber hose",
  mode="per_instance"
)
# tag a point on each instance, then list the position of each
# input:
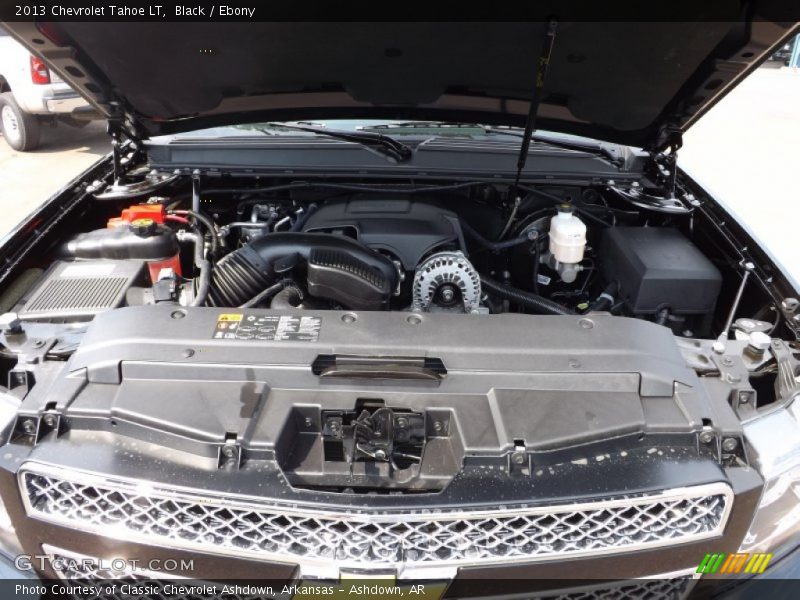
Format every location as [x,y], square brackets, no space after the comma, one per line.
[287,299]
[494,246]
[235,280]
[207,223]
[302,219]
[537,304]
[605,300]
[266,294]
[203,279]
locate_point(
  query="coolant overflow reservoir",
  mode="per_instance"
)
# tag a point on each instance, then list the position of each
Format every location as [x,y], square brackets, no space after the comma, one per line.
[567,236]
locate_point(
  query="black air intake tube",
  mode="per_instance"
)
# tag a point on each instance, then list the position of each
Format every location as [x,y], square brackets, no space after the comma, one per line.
[244,273]
[235,280]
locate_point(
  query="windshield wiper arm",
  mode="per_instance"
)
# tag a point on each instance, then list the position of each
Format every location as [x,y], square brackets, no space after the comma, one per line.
[378,142]
[588,147]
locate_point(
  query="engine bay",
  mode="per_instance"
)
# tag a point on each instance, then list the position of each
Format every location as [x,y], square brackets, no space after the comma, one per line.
[554,251]
[390,316]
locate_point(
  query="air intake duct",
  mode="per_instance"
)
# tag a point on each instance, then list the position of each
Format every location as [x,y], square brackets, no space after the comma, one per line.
[343,269]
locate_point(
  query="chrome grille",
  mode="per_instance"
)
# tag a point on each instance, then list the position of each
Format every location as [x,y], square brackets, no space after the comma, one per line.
[85,570]
[147,585]
[647,589]
[177,517]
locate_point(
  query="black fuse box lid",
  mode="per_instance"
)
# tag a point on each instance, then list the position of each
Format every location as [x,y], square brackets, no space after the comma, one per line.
[658,267]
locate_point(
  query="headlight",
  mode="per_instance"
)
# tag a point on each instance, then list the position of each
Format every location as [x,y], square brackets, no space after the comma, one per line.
[775,437]
[9,544]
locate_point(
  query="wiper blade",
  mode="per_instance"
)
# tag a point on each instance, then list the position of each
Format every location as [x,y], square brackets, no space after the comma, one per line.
[589,147]
[377,142]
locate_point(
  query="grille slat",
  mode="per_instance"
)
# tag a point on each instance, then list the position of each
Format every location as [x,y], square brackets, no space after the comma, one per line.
[434,538]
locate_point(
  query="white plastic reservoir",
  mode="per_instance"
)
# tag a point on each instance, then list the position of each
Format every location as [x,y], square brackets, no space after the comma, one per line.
[567,236]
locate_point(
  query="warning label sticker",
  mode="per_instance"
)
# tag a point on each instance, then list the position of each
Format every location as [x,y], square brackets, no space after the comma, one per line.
[241,326]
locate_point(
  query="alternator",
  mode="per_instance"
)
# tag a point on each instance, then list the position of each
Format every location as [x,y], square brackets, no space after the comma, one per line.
[447,281]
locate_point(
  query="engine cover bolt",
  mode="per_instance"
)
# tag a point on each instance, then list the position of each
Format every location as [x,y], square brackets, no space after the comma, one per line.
[188,353]
[518,458]
[730,444]
[707,437]
[29,426]
[50,420]
[437,426]
[228,451]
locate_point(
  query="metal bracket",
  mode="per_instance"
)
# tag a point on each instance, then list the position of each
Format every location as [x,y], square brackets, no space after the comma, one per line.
[519,461]
[743,401]
[31,429]
[50,421]
[229,454]
[20,382]
[34,350]
[670,137]
[708,443]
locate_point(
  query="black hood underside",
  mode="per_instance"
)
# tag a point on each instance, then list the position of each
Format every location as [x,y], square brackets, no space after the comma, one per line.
[634,83]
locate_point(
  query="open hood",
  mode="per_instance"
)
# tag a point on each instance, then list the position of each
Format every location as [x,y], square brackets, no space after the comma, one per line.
[634,83]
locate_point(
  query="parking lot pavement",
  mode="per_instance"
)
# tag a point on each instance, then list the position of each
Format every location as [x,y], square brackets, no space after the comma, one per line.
[29,178]
[746,151]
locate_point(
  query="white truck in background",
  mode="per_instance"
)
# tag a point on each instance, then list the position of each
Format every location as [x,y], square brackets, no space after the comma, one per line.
[32,96]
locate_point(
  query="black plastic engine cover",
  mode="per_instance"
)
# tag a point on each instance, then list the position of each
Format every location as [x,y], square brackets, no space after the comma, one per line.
[340,276]
[409,229]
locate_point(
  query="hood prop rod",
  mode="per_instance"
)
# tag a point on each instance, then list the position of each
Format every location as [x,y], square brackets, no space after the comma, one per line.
[530,122]
[719,346]
[536,97]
